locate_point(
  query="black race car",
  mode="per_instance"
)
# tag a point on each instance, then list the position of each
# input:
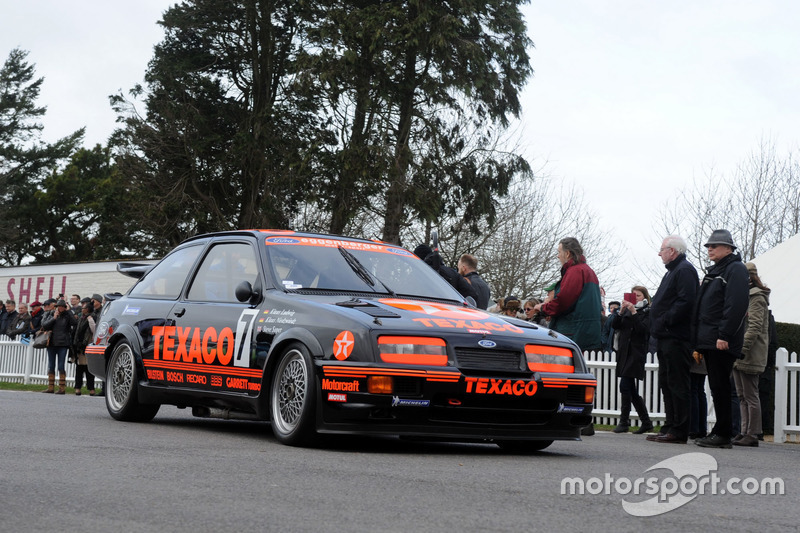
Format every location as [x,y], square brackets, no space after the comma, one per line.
[322,334]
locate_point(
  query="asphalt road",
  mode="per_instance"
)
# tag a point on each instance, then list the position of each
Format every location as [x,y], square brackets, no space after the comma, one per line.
[66,465]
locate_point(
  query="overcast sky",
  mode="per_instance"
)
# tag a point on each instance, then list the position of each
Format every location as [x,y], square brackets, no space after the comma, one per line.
[630,98]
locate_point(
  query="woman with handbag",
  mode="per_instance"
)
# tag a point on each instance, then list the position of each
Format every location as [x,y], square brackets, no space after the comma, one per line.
[60,325]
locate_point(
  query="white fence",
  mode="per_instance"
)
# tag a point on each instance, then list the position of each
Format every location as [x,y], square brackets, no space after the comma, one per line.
[22,363]
[607,399]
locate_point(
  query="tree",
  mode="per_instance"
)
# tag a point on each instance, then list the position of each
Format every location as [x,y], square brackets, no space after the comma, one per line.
[517,253]
[418,90]
[757,202]
[25,160]
[227,141]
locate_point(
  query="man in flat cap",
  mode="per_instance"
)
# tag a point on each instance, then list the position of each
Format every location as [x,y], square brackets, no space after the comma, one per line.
[719,326]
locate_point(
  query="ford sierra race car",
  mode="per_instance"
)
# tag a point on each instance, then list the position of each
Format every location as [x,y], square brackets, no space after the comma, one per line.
[322,334]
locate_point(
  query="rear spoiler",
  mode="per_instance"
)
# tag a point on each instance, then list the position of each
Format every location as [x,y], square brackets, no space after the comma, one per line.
[134,270]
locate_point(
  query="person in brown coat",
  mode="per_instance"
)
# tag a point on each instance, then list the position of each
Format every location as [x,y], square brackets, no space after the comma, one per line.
[746,371]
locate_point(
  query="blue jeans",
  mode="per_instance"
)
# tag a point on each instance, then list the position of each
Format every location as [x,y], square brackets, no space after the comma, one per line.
[52,353]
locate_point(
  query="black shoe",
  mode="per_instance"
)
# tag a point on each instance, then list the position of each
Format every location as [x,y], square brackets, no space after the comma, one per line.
[588,430]
[644,428]
[747,440]
[695,436]
[714,441]
[669,438]
[621,429]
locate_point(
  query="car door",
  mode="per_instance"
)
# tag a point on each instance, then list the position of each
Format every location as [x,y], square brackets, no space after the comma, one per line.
[211,345]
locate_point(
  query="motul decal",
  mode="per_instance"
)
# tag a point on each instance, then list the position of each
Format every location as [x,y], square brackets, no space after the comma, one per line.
[337,397]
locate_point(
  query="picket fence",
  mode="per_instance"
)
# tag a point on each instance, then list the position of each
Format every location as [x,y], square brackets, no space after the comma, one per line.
[22,363]
[607,398]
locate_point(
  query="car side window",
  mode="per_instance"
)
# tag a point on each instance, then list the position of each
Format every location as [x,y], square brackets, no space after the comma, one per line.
[166,279]
[224,267]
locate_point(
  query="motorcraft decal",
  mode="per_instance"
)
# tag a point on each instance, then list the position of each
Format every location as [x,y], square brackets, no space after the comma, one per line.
[350,386]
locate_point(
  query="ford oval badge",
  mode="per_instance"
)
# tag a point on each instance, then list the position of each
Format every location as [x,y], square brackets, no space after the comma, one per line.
[487,343]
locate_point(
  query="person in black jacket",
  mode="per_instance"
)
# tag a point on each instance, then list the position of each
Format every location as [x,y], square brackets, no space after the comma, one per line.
[456,280]
[632,327]
[719,326]
[671,326]
[61,323]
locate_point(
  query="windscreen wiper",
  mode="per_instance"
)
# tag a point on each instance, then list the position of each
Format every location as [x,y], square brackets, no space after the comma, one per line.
[362,272]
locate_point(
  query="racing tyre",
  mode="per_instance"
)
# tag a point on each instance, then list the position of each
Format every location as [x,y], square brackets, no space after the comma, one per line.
[293,398]
[122,393]
[524,446]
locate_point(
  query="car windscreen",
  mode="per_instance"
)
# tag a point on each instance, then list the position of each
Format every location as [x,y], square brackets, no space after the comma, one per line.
[321,264]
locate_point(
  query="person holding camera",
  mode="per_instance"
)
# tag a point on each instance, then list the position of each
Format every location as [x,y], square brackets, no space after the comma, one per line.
[60,324]
[632,327]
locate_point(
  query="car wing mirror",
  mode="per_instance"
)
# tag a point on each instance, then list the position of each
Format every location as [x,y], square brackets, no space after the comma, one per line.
[471,301]
[244,292]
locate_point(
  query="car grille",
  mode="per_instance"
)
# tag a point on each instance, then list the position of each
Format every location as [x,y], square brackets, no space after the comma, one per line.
[497,360]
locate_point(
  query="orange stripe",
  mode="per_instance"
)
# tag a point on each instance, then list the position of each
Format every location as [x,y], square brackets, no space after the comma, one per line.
[550,367]
[203,368]
[414,359]
[425,341]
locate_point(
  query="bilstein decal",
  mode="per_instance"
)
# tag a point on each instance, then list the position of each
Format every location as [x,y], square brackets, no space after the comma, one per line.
[508,387]
[343,345]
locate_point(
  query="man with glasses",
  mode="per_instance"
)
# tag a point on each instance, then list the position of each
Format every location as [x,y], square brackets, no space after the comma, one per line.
[719,325]
[671,324]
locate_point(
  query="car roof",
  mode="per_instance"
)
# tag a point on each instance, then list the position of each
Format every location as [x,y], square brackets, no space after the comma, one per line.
[279,233]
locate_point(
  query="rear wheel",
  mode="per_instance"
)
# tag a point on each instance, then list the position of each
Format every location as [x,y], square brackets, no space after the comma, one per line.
[122,394]
[293,397]
[524,446]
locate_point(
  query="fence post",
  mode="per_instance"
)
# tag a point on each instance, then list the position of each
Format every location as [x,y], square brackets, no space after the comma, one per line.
[26,378]
[781,390]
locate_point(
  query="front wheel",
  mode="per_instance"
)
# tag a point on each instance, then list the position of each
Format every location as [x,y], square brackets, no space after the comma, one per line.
[293,397]
[122,394]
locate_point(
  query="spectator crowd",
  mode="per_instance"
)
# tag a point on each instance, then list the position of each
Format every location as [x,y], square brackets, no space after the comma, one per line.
[717,327]
[65,331]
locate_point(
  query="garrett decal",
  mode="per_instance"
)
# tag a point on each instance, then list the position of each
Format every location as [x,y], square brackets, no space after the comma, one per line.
[329,384]
[501,386]
[337,397]
[343,345]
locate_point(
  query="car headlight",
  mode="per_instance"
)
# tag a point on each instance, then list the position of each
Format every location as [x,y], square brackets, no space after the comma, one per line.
[429,351]
[549,359]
